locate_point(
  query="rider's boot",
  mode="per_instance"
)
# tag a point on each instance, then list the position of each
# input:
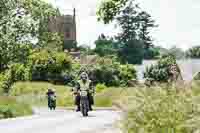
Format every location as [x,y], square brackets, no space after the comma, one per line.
[90,107]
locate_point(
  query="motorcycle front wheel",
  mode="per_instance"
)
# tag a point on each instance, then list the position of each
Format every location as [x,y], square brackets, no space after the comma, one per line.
[84,106]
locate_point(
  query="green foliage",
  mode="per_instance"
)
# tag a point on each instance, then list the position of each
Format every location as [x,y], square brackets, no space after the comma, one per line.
[158,110]
[100,88]
[10,108]
[108,9]
[151,53]
[47,65]
[19,72]
[51,41]
[111,73]
[127,73]
[34,93]
[7,80]
[105,46]
[135,25]
[21,23]
[194,52]
[161,71]
[132,52]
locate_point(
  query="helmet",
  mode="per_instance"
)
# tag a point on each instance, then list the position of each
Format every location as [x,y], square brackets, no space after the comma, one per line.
[84,76]
[49,89]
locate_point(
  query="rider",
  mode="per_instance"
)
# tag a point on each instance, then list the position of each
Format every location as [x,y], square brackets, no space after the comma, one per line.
[84,82]
[50,92]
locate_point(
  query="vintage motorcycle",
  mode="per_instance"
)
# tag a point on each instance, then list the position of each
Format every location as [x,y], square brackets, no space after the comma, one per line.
[52,102]
[84,102]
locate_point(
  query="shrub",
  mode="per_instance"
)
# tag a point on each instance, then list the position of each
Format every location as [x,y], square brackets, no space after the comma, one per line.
[47,65]
[19,72]
[161,71]
[15,72]
[100,88]
[111,73]
[7,80]
[158,110]
[127,73]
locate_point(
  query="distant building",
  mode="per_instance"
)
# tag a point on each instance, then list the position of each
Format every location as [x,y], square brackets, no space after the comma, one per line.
[65,25]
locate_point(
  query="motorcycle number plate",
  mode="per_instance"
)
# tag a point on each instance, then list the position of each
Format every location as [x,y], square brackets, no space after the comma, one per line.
[83,93]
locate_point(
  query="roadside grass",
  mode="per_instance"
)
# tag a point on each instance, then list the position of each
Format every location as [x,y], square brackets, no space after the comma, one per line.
[10,107]
[156,109]
[34,93]
[162,109]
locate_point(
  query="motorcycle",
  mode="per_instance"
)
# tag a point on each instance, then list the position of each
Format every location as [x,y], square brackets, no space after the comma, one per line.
[52,102]
[84,102]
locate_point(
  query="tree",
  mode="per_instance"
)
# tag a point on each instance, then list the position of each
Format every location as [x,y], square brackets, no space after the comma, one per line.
[46,65]
[162,70]
[132,52]
[152,53]
[146,23]
[134,23]
[21,23]
[109,9]
[105,46]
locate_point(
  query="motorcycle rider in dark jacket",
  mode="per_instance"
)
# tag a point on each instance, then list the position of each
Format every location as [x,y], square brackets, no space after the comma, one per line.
[50,92]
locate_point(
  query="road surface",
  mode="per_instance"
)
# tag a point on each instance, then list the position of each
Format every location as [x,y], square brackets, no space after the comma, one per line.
[62,121]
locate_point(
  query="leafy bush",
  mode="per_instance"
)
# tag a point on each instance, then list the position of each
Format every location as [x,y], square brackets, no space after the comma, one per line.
[161,71]
[105,46]
[111,73]
[127,73]
[47,66]
[158,110]
[19,72]
[100,88]
[151,53]
[9,108]
[7,81]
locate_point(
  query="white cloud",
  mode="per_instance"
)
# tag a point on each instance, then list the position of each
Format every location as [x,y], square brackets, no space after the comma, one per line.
[178,21]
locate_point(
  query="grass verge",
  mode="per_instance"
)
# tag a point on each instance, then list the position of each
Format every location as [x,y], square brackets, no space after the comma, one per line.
[163,109]
[9,108]
[34,93]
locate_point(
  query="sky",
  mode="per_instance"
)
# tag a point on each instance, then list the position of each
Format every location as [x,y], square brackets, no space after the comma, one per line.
[178,20]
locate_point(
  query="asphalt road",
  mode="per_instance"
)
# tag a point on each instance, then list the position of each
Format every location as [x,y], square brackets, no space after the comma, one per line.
[62,121]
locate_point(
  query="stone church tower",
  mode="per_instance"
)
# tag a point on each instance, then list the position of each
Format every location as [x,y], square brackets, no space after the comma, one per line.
[66,25]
